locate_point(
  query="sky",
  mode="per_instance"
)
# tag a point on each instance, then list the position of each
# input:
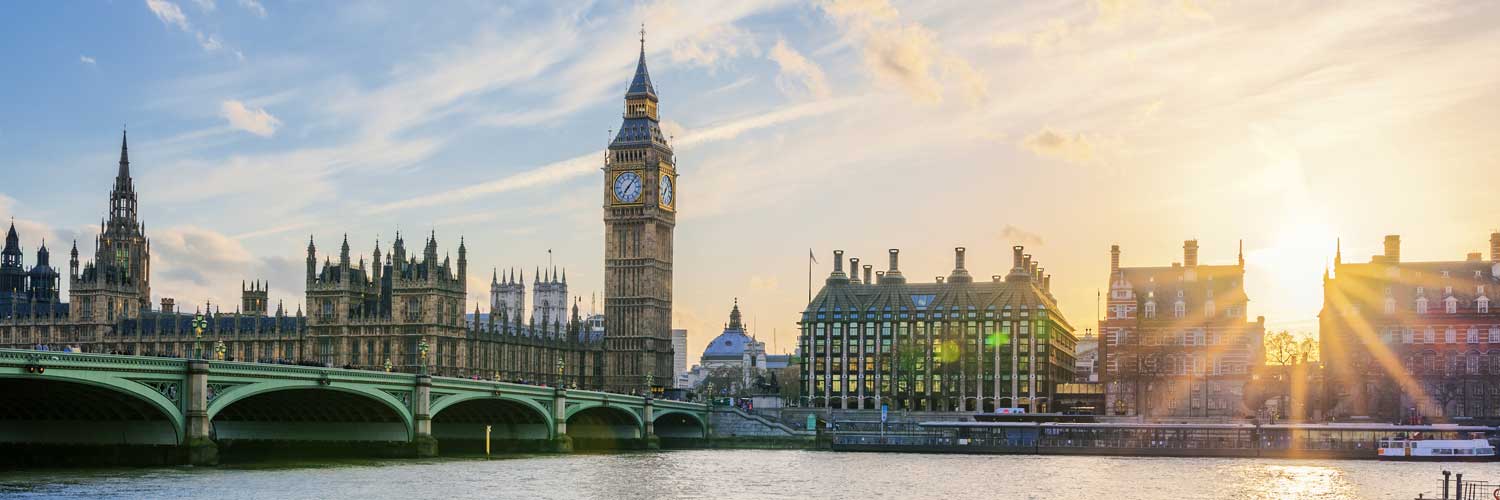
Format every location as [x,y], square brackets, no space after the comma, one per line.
[860,125]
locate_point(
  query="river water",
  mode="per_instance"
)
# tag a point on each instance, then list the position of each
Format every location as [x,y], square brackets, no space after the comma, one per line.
[757,474]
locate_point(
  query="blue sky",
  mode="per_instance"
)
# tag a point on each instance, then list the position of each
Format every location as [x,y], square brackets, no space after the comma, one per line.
[854,124]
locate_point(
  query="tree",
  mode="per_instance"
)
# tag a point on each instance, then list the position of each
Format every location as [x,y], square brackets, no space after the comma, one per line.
[1293,356]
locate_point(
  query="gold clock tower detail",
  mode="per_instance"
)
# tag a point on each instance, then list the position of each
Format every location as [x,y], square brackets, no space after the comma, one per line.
[640,205]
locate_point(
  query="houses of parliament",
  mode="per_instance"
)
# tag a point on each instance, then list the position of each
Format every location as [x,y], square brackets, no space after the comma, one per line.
[402,311]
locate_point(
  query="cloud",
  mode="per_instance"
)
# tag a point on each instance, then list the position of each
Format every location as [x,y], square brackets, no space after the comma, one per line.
[195,264]
[87,60]
[1020,236]
[798,74]
[760,283]
[169,13]
[209,43]
[255,121]
[254,7]
[712,45]
[206,5]
[906,54]
[1072,148]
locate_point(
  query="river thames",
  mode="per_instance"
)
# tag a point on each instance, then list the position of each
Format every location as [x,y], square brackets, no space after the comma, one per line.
[755,474]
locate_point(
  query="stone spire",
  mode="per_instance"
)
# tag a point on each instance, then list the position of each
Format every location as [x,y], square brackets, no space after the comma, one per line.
[122,197]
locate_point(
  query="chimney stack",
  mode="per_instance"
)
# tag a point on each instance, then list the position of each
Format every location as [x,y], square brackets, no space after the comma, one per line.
[837,277]
[869,278]
[894,274]
[1114,258]
[1494,247]
[1022,261]
[1190,253]
[1475,257]
[959,275]
[854,270]
[1047,283]
[1016,256]
[880,276]
[1393,248]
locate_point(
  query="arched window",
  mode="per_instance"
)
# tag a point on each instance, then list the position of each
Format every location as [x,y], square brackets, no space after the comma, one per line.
[1390,305]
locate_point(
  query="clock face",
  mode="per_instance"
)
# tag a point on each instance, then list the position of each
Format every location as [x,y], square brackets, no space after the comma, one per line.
[666,190]
[628,187]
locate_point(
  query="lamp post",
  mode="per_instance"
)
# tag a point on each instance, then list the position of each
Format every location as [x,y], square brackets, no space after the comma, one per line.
[559,371]
[219,349]
[422,348]
[198,325]
[387,365]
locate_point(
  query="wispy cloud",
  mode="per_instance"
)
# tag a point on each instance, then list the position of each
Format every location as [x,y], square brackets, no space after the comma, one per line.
[255,7]
[206,5]
[87,60]
[1069,147]
[256,121]
[169,13]
[798,74]
[905,53]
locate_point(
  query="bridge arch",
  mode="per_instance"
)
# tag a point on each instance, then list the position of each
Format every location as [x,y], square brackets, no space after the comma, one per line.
[603,426]
[60,396]
[341,420]
[516,424]
[678,425]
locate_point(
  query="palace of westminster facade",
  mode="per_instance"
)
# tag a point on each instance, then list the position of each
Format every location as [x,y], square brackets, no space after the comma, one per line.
[386,314]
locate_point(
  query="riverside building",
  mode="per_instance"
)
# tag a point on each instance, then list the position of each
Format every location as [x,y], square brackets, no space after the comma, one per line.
[1175,340]
[956,344]
[1412,339]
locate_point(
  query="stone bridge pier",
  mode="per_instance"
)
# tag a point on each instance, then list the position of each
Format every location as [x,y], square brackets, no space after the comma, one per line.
[58,408]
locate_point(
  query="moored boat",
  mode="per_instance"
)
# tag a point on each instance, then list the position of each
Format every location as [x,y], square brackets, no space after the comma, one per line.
[1436,450]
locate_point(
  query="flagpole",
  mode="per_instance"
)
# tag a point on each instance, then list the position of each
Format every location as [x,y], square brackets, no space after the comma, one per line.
[809,275]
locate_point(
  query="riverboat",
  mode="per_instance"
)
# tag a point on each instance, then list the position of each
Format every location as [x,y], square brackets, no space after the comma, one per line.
[1436,450]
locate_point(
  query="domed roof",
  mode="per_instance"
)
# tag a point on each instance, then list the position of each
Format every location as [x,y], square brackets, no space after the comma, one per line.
[730,344]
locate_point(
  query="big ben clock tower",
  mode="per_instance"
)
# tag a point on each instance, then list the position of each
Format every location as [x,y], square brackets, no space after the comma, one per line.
[640,205]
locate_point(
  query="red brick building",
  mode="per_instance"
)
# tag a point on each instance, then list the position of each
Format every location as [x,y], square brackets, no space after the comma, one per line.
[1402,339]
[1175,340]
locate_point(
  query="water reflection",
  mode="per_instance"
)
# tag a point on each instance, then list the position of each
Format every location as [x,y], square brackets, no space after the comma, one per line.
[755,474]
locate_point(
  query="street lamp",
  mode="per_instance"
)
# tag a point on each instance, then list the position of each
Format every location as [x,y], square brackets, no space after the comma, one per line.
[219,349]
[387,365]
[198,325]
[559,371]
[422,348]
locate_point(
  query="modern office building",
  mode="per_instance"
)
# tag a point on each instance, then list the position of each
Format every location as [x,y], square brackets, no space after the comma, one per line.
[1406,339]
[955,344]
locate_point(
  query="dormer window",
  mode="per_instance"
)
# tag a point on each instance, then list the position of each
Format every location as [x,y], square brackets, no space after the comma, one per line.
[1179,309]
[1208,309]
[1150,310]
[1450,304]
[1390,305]
[1482,305]
[1421,305]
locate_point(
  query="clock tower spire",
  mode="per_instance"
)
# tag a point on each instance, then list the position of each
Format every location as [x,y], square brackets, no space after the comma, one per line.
[640,205]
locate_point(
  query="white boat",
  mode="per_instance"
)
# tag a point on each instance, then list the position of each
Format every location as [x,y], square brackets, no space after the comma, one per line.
[1437,450]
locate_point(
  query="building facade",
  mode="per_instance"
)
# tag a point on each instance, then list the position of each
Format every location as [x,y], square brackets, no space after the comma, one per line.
[1412,339]
[1176,341]
[953,345]
[679,357]
[640,203]
[375,315]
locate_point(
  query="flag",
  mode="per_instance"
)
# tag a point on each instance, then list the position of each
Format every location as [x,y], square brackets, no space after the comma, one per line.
[811,257]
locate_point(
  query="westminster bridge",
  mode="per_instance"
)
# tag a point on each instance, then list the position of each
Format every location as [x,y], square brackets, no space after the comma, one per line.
[98,408]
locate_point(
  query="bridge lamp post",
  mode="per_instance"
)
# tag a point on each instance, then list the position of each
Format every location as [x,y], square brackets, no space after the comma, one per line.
[422,348]
[387,365]
[198,325]
[219,349]
[559,371]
